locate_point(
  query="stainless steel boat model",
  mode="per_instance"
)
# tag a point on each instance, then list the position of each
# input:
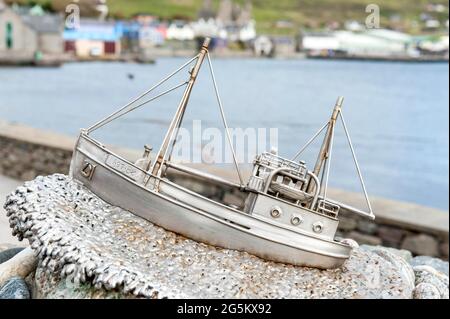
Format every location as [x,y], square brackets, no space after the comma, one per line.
[285,216]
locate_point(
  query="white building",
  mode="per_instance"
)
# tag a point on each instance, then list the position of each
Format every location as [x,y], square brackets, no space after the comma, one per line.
[248,32]
[232,22]
[208,28]
[179,30]
[440,45]
[377,42]
[263,46]
[372,43]
[319,42]
[150,36]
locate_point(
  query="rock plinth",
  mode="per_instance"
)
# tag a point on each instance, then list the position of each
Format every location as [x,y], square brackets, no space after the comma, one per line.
[90,249]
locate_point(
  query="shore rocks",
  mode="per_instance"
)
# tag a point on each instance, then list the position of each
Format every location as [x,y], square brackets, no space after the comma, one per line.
[436,263]
[363,239]
[9,253]
[6,246]
[443,249]
[15,288]
[391,236]
[24,160]
[367,227]
[347,223]
[421,245]
[426,291]
[397,258]
[432,281]
[428,277]
[404,254]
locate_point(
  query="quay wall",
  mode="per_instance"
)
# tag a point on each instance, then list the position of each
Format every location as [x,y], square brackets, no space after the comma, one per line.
[26,152]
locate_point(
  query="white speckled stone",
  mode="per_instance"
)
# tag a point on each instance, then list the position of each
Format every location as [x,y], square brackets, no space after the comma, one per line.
[430,276]
[426,291]
[436,263]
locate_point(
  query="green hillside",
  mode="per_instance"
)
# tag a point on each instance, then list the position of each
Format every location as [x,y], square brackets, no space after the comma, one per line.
[302,13]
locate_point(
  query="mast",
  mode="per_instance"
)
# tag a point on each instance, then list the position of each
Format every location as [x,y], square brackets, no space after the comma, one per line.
[176,121]
[324,152]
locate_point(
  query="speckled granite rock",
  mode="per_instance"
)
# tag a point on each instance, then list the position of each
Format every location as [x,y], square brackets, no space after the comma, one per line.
[430,277]
[89,249]
[404,254]
[426,291]
[397,258]
[436,263]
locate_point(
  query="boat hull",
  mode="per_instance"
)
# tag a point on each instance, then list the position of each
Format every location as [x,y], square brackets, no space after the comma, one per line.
[184,212]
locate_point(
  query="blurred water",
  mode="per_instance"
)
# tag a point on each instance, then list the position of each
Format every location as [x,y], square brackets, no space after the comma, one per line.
[397,113]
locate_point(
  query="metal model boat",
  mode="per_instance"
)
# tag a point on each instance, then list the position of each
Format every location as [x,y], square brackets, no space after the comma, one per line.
[286,215]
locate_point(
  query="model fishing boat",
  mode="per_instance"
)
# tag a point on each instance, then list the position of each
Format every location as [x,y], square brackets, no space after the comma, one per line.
[286,215]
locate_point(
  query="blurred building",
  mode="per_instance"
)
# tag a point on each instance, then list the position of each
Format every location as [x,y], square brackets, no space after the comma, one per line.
[232,22]
[94,39]
[376,42]
[27,34]
[143,32]
[312,42]
[180,30]
[151,36]
[284,45]
[432,45]
[369,43]
[263,46]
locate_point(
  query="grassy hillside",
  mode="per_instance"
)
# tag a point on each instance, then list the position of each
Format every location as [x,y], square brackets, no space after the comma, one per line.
[306,13]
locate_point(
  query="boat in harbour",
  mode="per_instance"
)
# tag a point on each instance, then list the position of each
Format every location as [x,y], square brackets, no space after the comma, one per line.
[285,215]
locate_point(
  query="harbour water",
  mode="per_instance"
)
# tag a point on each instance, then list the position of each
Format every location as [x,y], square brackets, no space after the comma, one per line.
[397,113]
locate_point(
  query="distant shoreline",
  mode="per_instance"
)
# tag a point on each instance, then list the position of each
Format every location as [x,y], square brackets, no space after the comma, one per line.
[57,61]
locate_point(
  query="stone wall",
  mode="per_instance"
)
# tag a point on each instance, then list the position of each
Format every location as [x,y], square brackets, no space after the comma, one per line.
[383,233]
[24,160]
[26,153]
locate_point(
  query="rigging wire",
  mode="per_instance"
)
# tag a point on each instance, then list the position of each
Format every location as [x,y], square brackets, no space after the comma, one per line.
[309,142]
[143,103]
[356,162]
[222,114]
[107,119]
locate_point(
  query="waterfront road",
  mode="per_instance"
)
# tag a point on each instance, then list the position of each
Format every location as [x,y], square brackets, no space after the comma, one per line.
[7,185]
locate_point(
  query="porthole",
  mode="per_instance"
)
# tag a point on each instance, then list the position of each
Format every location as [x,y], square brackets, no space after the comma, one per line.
[275,212]
[296,220]
[317,227]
